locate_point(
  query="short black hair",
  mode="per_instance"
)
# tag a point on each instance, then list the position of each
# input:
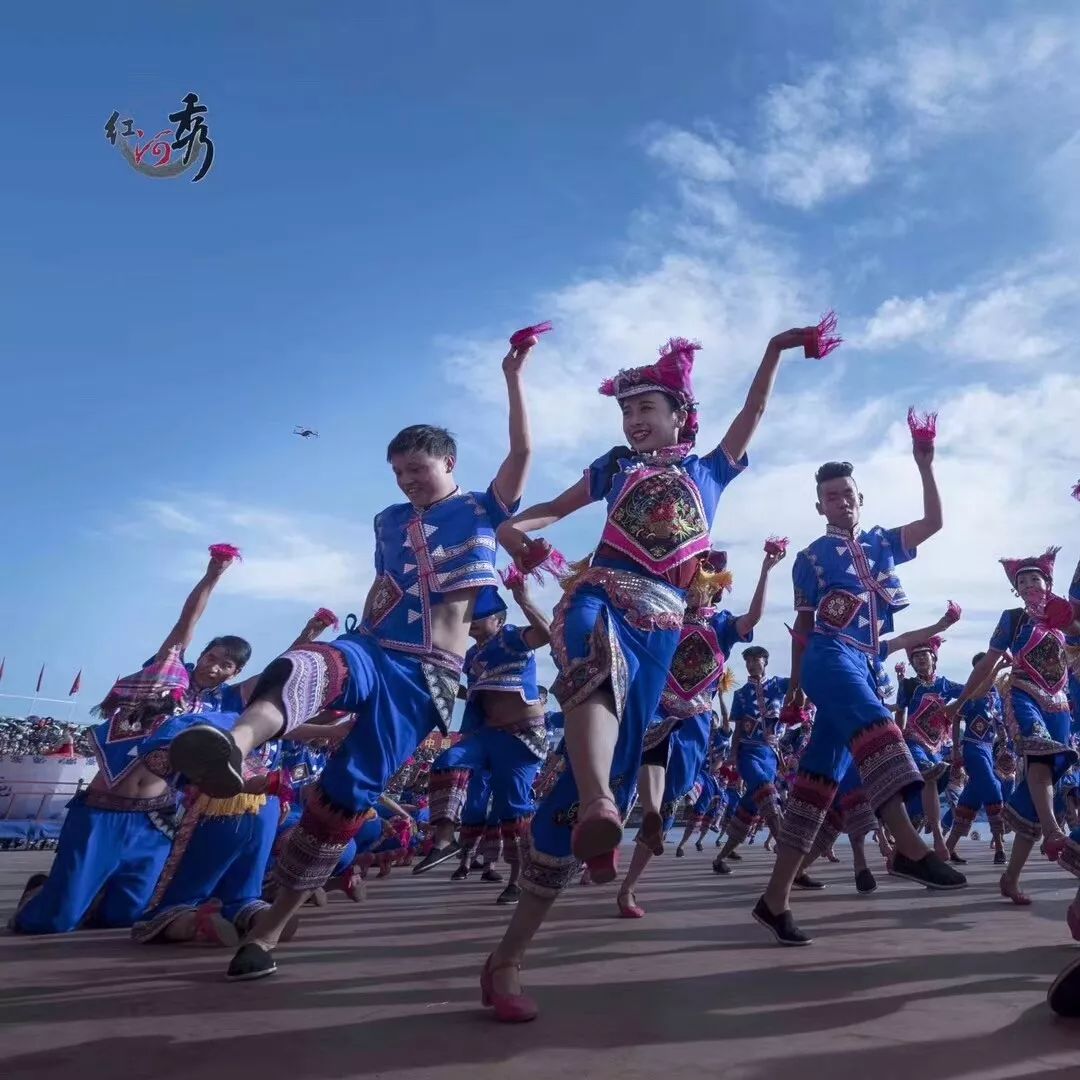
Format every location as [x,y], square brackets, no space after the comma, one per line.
[423,439]
[236,649]
[756,650]
[977,658]
[833,470]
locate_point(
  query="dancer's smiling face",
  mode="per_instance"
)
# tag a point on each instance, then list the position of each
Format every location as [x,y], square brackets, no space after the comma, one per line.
[924,664]
[214,667]
[1031,586]
[840,502]
[423,478]
[755,666]
[651,421]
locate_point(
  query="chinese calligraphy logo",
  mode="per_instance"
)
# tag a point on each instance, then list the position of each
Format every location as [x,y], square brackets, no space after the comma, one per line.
[159,156]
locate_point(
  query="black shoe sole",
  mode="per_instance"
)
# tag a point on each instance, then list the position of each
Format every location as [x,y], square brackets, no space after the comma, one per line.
[209,759]
[1068,971]
[424,866]
[776,937]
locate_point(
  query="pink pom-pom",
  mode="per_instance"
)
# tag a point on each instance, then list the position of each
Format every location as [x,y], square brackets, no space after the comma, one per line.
[512,577]
[539,556]
[901,670]
[952,612]
[522,336]
[823,339]
[326,617]
[776,545]
[923,428]
[1058,613]
[225,553]
[1076,490]
[607,388]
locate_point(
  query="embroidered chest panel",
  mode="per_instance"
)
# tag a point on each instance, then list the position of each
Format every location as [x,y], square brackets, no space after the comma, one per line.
[1046,659]
[658,519]
[695,664]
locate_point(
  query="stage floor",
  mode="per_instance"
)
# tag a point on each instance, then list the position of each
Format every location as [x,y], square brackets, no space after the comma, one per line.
[902,983]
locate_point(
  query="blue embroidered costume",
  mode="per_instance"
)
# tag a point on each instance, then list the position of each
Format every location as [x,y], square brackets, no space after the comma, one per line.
[619,621]
[850,584]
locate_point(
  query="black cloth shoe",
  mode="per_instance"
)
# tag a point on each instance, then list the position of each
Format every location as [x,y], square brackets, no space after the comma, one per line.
[929,871]
[720,867]
[679,853]
[699,846]
[436,857]
[999,858]
[476,864]
[510,895]
[1064,994]
[460,874]
[251,962]
[735,857]
[491,875]
[805,881]
[782,926]
[865,882]
[210,759]
[954,858]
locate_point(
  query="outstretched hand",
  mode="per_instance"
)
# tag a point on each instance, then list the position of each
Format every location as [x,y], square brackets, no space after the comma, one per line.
[792,339]
[514,360]
[923,452]
[772,559]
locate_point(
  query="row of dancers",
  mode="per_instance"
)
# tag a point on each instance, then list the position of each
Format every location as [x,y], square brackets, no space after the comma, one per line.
[640,643]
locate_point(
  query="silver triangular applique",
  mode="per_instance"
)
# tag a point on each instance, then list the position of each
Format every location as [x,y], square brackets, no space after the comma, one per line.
[863,620]
[430,529]
[408,567]
[864,597]
[414,589]
[841,549]
[413,616]
[438,553]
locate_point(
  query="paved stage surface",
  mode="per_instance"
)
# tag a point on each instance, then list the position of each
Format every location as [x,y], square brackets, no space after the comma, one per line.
[902,983]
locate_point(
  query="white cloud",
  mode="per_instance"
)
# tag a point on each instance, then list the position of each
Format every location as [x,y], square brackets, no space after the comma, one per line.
[897,321]
[692,156]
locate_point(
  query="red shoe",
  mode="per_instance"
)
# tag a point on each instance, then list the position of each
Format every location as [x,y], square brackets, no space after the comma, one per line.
[1053,847]
[353,886]
[603,868]
[628,908]
[598,830]
[1014,894]
[509,1008]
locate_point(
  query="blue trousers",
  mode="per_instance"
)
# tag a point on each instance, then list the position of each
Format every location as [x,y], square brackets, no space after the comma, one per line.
[500,766]
[118,854]
[688,745]
[982,790]
[757,767]
[637,661]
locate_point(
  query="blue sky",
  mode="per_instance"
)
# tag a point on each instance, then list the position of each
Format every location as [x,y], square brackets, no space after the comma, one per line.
[397,187]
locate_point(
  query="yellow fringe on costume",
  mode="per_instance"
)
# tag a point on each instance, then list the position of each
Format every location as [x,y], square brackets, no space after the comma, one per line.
[574,571]
[709,585]
[727,683]
[233,807]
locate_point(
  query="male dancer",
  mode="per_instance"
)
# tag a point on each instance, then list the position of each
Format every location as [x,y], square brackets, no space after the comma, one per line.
[117,834]
[398,669]
[846,595]
[507,734]
[755,717]
[982,726]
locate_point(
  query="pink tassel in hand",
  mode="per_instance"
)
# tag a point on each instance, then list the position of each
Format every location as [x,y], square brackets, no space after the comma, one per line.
[1058,613]
[512,577]
[528,335]
[901,670]
[225,553]
[952,613]
[326,617]
[539,556]
[776,545]
[923,428]
[823,339]
[1076,490]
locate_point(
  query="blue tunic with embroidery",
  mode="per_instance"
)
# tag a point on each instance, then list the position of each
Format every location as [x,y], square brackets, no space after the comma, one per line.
[982,718]
[423,555]
[927,723]
[705,643]
[755,710]
[850,583]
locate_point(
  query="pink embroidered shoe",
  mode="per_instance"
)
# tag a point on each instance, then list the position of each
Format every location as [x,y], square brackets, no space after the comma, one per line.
[596,835]
[1053,847]
[628,906]
[509,1008]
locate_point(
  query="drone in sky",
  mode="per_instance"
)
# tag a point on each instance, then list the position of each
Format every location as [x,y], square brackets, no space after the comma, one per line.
[305,433]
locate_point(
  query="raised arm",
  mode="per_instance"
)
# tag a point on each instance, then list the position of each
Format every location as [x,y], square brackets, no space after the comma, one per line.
[737,440]
[980,673]
[513,534]
[183,632]
[510,479]
[538,633]
[918,531]
[745,623]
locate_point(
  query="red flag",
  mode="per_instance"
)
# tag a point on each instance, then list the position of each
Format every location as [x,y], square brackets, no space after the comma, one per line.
[41,676]
[76,686]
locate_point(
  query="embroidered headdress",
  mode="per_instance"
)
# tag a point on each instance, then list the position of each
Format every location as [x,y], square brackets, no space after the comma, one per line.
[669,375]
[931,645]
[157,687]
[1043,564]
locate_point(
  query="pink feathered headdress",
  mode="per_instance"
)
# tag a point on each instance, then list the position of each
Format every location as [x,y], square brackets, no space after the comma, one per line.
[669,375]
[1043,563]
